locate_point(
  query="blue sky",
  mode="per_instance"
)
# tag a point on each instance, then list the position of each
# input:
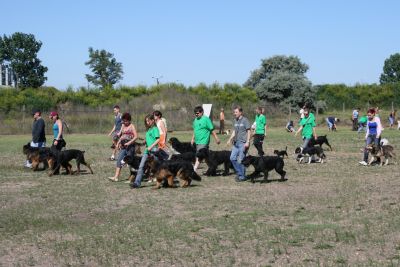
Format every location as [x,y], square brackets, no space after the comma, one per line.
[209,41]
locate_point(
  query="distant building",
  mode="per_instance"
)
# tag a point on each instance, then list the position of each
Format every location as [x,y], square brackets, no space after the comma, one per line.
[6,75]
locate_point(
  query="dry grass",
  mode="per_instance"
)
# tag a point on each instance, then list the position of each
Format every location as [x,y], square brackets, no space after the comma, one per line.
[338,213]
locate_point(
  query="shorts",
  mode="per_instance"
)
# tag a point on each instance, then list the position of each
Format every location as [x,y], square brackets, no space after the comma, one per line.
[115,136]
[198,147]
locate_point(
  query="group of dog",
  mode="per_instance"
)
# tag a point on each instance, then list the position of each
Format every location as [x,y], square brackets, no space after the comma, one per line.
[183,155]
[53,159]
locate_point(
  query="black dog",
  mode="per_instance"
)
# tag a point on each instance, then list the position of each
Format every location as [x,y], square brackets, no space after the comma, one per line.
[281,153]
[310,152]
[62,158]
[319,141]
[187,156]
[215,158]
[264,164]
[181,147]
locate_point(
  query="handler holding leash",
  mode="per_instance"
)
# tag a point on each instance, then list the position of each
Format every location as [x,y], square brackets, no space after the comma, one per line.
[202,128]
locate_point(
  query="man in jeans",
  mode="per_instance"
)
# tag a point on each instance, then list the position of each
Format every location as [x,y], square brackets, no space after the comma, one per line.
[240,139]
[38,133]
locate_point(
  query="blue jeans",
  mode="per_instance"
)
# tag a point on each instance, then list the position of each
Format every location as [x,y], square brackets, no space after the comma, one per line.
[306,141]
[237,155]
[139,175]
[129,151]
[370,139]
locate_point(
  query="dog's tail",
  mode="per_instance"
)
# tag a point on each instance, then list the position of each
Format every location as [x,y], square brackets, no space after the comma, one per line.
[195,176]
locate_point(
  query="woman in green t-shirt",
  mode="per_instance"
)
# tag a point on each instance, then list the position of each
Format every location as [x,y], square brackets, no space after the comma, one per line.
[152,139]
[307,127]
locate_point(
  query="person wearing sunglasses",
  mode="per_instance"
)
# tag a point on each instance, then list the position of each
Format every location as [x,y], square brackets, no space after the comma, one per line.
[202,129]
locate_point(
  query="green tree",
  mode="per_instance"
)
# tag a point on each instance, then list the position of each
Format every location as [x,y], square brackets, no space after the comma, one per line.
[106,70]
[20,51]
[391,70]
[282,80]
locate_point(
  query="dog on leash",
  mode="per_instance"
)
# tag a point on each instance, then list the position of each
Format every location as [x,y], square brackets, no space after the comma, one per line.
[281,153]
[62,158]
[215,158]
[319,141]
[376,152]
[264,164]
[310,152]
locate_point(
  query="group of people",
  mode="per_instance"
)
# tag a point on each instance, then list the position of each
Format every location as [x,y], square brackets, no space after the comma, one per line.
[124,135]
[39,132]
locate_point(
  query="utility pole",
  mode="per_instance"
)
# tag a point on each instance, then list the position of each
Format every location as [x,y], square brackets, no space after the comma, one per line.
[157,78]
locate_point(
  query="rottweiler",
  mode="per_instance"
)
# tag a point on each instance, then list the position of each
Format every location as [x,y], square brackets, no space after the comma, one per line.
[62,158]
[264,164]
[215,158]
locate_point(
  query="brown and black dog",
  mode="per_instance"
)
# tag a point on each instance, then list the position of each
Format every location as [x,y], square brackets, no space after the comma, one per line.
[380,153]
[62,158]
[167,170]
[36,155]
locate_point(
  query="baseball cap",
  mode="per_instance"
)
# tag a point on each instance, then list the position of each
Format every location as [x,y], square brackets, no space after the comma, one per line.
[53,113]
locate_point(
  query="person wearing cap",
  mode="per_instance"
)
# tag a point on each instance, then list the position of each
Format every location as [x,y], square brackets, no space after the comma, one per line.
[38,133]
[58,141]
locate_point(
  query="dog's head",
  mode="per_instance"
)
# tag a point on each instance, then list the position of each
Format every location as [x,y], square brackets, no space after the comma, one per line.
[203,154]
[276,151]
[298,150]
[372,148]
[26,148]
[248,160]
[173,141]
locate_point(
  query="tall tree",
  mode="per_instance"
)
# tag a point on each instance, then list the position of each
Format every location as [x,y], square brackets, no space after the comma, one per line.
[106,70]
[282,80]
[391,70]
[20,51]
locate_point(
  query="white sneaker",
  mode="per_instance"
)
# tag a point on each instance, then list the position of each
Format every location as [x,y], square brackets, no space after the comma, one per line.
[363,163]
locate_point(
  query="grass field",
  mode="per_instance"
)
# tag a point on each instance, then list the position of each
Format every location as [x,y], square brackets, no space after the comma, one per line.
[334,214]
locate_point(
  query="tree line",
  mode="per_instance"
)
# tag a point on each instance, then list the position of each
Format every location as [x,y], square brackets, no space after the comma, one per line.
[280,81]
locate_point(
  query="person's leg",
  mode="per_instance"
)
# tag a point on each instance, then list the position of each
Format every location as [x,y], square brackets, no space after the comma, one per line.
[242,154]
[139,175]
[119,164]
[258,143]
[233,158]
[370,140]
[236,158]
[305,142]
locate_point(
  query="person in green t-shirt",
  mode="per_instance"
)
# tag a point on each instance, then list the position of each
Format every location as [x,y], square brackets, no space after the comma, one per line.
[362,123]
[307,127]
[152,139]
[260,130]
[202,128]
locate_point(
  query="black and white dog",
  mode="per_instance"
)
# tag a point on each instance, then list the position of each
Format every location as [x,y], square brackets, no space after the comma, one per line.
[310,152]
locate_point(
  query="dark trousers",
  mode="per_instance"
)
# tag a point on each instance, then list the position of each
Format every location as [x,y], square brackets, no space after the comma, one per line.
[221,126]
[355,124]
[258,143]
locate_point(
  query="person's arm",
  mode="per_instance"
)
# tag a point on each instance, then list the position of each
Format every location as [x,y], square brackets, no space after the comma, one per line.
[113,129]
[231,138]
[314,133]
[298,130]
[192,141]
[215,137]
[379,127]
[247,144]
[135,136]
